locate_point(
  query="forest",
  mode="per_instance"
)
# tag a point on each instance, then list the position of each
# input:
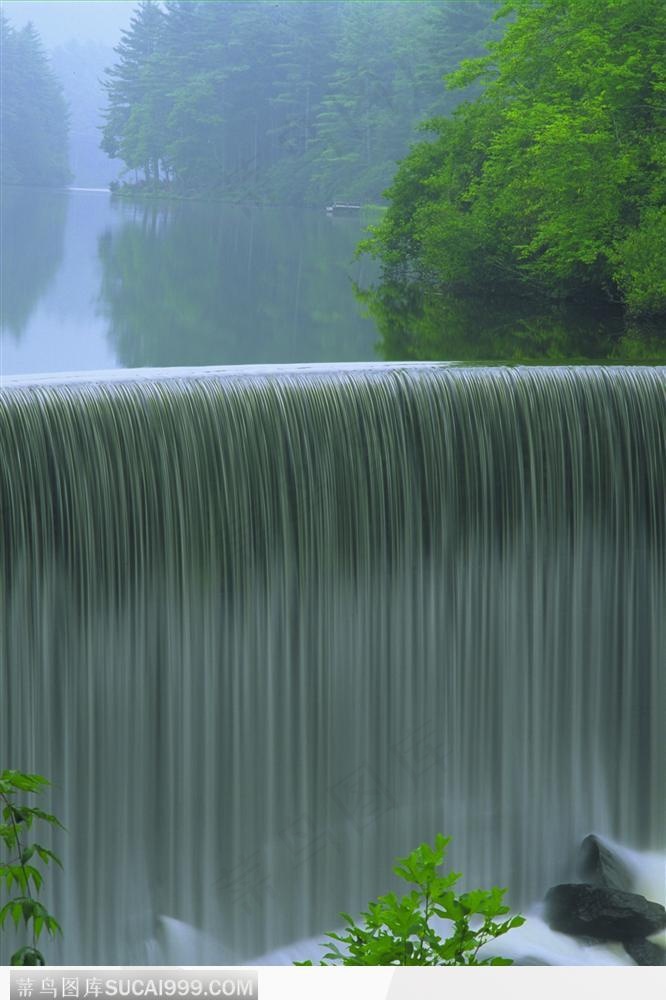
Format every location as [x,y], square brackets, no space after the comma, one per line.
[552,182]
[521,148]
[33,112]
[284,102]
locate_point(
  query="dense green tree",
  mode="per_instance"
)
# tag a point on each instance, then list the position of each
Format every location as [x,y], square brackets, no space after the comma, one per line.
[364,119]
[380,91]
[286,102]
[33,113]
[132,131]
[301,65]
[303,58]
[221,130]
[553,178]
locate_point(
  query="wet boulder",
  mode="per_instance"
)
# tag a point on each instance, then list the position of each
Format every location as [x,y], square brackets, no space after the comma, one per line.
[599,865]
[602,913]
[645,952]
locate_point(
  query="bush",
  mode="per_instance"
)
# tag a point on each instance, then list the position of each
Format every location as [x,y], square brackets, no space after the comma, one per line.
[398,930]
[641,264]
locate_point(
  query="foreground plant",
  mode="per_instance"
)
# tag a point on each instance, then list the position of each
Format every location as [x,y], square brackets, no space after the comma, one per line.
[398,930]
[18,871]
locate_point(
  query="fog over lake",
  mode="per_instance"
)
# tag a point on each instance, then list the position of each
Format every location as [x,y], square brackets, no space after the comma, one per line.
[96,283]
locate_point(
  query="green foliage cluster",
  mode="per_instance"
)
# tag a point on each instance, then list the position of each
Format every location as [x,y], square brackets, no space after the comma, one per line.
[19,871]
[399,930]
[289,102]
[553,179]
[33,112]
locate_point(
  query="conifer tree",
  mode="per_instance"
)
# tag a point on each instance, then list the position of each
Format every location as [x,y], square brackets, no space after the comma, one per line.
[136,96]
[33,113]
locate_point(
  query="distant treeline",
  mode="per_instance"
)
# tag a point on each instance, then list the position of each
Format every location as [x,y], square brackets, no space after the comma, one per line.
[33,112]
[552,182]
[285,102]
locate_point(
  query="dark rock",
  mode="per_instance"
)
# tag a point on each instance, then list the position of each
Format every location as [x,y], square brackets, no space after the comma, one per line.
[606,914]
[645,952]
[598,865]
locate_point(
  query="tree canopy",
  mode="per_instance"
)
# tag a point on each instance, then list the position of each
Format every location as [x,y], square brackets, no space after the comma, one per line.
[553,179]
[285,102]
[33,113]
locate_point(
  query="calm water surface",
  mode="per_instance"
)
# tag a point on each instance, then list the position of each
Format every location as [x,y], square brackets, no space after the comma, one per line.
[93,282]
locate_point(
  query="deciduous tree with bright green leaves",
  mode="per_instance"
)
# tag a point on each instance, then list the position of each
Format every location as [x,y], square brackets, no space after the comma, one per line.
[554,178]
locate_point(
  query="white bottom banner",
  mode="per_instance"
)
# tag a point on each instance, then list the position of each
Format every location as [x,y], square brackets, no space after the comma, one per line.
[282,982]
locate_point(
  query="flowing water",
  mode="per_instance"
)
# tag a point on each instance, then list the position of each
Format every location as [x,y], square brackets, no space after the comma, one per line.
[266,629]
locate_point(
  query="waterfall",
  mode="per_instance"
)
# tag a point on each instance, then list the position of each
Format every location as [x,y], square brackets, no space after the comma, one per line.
[267,629]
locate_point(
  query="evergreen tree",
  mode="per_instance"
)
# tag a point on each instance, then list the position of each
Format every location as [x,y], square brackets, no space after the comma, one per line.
[136,95]
[221,87]
[283,101]
[33,113]
[380,92]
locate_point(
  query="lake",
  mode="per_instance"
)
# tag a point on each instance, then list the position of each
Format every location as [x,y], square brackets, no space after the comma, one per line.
[94,282]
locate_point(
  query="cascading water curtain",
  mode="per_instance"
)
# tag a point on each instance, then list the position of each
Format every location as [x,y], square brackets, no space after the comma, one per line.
[266,631]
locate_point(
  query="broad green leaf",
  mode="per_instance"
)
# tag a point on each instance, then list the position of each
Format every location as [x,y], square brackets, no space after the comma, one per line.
[45,854]
[26,782]
[35,875]
[47,817]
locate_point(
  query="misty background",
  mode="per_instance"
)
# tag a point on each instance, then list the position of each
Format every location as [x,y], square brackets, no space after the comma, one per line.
[267,102]
[79,38]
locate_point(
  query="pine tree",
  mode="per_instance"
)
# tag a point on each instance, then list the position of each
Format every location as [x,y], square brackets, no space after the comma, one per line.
[136,107]
[286,101]
[33,113]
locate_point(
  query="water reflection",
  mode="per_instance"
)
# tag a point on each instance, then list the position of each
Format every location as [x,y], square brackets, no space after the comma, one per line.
[32,226]
[417,325]
[198,284]
[90,282]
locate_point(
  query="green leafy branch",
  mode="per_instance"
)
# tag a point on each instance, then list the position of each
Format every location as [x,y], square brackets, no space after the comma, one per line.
[398,930]
[18,871]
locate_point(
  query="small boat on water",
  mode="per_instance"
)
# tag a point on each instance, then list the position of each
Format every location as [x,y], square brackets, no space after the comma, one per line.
[339,209]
